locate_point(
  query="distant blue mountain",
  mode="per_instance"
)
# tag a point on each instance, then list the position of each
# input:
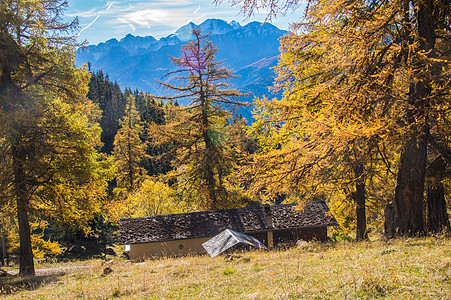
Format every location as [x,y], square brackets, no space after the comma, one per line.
[136,62]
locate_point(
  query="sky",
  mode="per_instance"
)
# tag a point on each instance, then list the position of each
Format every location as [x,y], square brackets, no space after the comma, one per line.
[101,20]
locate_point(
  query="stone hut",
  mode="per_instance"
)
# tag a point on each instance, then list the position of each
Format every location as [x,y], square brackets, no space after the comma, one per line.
[182,234]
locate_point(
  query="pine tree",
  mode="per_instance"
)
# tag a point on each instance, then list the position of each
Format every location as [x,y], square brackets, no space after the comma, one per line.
[151,112]
[111,100]
[198,133]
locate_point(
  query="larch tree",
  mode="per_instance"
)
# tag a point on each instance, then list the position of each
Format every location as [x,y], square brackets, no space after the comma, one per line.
[388,59]
[307,152]
[437,180]
[129,150]
[198,133]
[51,135]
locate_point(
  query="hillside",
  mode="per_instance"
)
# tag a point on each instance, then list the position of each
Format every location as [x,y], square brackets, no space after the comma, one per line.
[137,62]
[397,269]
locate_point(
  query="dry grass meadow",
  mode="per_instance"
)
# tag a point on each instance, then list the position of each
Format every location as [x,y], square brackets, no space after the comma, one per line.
[418,268]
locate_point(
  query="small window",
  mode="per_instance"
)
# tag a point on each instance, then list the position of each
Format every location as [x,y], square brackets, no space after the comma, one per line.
[181,246]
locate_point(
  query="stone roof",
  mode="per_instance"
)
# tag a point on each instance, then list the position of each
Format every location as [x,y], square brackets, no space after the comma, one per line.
[209,223]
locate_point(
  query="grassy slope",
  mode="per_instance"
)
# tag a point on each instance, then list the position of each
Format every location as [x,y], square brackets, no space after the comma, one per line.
[400,269]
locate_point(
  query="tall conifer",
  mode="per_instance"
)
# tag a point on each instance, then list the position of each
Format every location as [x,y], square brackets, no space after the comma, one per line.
[198,133]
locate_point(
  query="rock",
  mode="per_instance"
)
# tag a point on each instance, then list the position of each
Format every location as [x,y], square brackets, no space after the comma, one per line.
[300,244]
[107,270]
[231,257]
[387,251]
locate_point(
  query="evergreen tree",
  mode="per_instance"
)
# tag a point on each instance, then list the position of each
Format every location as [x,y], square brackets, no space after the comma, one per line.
[151,111]
[111,100]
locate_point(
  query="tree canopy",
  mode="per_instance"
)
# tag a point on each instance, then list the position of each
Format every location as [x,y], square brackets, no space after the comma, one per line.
[361,80]
[51,134]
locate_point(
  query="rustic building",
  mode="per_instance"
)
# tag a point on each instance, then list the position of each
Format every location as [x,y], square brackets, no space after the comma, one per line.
[181,234]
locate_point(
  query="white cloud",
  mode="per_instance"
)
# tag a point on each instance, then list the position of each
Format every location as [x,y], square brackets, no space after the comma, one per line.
[172,15]
[144,18]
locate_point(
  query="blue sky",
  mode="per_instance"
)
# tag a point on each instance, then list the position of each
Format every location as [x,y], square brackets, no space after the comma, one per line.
[101,20]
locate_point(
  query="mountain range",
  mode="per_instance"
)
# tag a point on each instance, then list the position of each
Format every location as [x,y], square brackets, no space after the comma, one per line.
[137,62]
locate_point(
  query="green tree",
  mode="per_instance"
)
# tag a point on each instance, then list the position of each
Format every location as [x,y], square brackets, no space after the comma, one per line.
[51,135]
[152,111]
[111,100]
[198,133]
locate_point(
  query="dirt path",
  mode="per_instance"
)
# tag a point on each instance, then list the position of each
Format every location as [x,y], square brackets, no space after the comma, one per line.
[53,270]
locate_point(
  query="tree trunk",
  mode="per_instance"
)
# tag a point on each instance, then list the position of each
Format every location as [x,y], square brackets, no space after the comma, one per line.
[361,233]
[209,174]
[409,191]
[23,203]
[390,221]
[130,162]
[409,188]
[3,247]
[438,220]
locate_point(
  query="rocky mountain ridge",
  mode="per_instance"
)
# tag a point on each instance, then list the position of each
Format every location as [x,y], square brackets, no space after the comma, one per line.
[137,62]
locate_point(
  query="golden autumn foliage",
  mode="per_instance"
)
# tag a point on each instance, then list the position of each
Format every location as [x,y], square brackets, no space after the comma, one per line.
[40,245]
[365,86]
[49,128]
[150,199]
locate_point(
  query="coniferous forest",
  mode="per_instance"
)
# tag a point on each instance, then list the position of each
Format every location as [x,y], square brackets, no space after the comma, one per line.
[363,123]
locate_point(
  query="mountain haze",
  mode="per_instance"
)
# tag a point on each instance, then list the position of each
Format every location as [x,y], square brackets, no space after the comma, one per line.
[136,62]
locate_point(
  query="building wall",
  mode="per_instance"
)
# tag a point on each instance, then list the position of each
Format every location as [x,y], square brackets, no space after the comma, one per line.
[194,246]
[314,233]
[171,248]
[291,236]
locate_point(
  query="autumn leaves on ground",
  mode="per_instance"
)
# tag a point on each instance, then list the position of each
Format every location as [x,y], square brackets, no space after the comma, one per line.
[417,268]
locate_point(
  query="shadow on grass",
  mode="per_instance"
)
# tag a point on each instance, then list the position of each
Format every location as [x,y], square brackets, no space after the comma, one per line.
[15,284]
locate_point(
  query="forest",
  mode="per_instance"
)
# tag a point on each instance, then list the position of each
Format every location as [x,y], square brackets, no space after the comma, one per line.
[363,124]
